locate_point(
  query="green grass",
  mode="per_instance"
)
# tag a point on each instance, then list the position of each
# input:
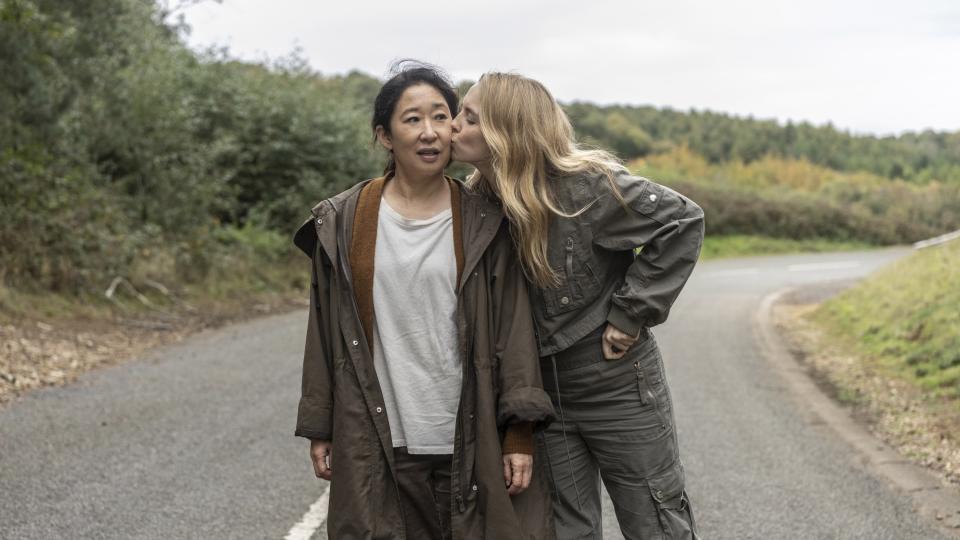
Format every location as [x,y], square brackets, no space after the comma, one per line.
[718,247]
[905,319]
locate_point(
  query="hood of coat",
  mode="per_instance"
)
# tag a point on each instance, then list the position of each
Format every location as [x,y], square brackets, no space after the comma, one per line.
[333,221]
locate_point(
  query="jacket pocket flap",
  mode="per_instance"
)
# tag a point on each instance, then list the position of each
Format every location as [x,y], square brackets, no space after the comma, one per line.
[649,198]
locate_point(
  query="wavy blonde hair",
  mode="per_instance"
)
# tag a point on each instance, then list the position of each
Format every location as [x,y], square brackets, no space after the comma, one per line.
[532,145]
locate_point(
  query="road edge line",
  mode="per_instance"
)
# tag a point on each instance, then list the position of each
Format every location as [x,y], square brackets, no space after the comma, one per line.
[931,499]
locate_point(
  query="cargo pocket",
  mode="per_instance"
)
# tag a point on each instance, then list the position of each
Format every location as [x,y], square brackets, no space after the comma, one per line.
[673,506]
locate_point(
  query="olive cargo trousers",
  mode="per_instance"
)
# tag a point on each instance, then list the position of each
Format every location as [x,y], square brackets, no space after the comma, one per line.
[616,424]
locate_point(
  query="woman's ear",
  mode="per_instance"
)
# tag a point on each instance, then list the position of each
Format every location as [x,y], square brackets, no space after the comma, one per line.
[384,138]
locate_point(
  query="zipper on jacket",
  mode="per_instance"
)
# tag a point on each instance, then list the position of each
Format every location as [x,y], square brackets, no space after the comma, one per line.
[641,384]
[569,258]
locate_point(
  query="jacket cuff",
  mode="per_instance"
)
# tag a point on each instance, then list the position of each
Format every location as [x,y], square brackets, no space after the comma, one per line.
[623,322]
[525,404]
[519,439]
[314,421]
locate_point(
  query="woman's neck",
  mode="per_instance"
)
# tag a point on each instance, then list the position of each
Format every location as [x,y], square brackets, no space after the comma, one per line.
[486,170]
[489,176]
[417,197]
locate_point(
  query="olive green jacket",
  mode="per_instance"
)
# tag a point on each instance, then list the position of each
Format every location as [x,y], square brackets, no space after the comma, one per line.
[602,277]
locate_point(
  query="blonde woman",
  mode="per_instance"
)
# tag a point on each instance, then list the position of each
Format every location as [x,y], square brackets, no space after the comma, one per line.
[577,218]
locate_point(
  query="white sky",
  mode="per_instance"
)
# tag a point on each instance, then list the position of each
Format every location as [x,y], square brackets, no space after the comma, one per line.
[870,66]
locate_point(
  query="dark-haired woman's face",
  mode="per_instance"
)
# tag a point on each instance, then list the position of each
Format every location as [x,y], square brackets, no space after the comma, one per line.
[419,132]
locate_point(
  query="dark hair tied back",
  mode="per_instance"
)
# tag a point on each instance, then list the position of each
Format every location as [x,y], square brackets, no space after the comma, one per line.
[404,74]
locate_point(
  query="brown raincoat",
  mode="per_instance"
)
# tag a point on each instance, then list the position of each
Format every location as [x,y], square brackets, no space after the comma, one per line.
[342,401]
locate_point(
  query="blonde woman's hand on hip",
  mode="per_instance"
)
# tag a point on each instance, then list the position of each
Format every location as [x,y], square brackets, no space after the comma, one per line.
[616,342]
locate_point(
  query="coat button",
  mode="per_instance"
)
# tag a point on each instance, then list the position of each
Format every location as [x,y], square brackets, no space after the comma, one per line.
[355,343]
[471,416]
[564,300]
[659,494]
[653,198]
[319,221]
[379,410]
[474,487]
[483,214]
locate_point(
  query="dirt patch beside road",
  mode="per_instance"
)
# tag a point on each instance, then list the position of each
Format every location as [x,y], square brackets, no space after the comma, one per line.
[54,351]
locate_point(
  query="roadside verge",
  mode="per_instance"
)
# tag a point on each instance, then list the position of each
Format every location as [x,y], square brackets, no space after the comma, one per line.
[933,498]
[53,351]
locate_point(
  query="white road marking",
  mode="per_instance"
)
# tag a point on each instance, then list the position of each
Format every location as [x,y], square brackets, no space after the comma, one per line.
[735,272]
[312,520]
[817,267]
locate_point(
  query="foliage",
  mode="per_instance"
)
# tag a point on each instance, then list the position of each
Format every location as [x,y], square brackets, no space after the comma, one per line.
[794,199]
[122,150]
[640,131]
[905,318]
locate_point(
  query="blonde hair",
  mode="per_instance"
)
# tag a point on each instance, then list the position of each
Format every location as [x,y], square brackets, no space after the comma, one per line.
[532,144]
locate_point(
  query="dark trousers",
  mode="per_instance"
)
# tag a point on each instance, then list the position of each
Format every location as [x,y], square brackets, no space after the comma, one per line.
[616,425]
[424,484]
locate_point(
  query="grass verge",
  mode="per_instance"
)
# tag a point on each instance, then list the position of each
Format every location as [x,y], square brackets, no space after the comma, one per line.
[906,318]
[888,347]
[726,246]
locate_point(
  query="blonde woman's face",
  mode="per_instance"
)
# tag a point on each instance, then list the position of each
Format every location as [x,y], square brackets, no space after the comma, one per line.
[469,146]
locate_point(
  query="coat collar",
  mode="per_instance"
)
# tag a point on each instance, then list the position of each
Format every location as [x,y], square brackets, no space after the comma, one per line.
[332,219]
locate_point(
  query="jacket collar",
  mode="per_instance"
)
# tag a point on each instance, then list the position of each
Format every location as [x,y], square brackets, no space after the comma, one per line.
[333,221]
[482,218]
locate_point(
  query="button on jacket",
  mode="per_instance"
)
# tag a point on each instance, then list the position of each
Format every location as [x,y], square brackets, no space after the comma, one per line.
[601,278]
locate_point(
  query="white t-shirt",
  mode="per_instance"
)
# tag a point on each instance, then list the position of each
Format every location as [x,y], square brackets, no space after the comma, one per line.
[415,337]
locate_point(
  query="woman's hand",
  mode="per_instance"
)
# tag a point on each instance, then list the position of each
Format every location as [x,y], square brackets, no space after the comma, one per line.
[321,453]
[616,343]
[517,471]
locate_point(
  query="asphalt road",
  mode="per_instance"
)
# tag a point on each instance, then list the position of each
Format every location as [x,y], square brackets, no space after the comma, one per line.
[195,440]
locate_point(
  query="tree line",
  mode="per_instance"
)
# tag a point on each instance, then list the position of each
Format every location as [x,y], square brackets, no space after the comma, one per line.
[635,132]
[120,148]
[124,152]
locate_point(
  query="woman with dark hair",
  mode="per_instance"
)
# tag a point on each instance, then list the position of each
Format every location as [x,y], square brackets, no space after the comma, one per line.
[421,389]
[579,218]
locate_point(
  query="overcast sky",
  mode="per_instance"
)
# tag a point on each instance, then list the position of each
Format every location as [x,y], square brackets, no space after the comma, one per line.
[870,66]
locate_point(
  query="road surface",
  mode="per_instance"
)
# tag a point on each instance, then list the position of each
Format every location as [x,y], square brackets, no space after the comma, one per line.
[195,440]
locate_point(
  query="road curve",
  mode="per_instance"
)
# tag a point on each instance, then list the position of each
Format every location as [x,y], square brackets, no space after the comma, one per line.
[195,440]
[759,464]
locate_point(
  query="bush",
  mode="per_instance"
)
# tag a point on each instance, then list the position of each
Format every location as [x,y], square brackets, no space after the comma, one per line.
[798,200]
